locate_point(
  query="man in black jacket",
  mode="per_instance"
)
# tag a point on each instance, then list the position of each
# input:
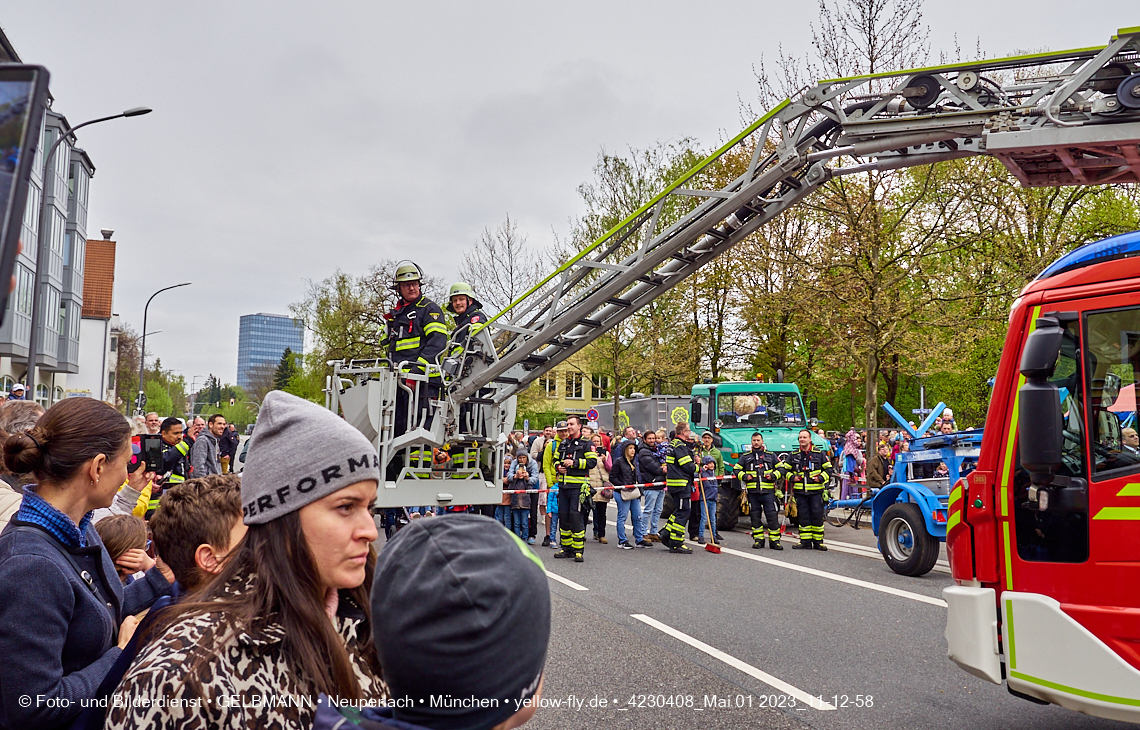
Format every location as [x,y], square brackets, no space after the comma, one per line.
[758,473]
[227,447]
[809,471]
[650,469]
[680,468]
[576,457]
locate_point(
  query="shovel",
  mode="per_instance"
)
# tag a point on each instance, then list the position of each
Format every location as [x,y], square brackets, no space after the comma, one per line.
[711,546]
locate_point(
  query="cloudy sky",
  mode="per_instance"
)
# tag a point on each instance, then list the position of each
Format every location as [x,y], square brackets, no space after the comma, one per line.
[290,138]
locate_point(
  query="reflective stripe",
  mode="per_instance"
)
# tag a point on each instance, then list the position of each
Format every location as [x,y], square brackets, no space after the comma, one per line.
[408,344]
[182,447]
[435,327]
[686,459]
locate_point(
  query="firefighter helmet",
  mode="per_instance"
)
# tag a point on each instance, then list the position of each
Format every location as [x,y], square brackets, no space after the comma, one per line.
[406,271]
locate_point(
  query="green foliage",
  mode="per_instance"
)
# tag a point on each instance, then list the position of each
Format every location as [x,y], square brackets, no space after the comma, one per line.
[308,380]
[159,399]
[286,370]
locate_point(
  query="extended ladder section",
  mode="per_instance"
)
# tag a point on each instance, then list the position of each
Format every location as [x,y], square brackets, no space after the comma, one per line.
[1063,118]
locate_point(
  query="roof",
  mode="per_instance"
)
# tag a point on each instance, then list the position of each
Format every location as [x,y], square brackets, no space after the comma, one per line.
[7,52]
[748,386]
[98,279]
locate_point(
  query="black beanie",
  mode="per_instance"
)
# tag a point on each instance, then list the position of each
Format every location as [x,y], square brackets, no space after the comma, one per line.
[460,610]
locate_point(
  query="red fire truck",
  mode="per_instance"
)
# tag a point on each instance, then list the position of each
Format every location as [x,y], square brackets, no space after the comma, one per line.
[1044,536]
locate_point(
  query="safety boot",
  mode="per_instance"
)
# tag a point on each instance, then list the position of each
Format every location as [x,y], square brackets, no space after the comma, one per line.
[681,550]
[563,554]
[757,544]
[797,546]
[775,545]
[578,558]
[820,546]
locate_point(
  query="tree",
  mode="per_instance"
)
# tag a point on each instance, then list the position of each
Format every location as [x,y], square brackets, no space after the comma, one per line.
[502,267]
[286,370]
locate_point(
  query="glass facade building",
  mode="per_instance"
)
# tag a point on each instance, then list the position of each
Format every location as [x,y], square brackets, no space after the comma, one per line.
[262,338]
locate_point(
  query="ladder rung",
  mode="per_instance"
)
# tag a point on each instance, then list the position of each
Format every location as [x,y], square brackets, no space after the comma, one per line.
[536,359]
[793,183]
[617,302]
[505,380]
[589,322]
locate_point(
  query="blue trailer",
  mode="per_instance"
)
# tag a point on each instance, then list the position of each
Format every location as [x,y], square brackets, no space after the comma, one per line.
[908,514]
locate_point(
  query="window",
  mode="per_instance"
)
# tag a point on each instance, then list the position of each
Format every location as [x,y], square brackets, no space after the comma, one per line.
[67,248]
[24,291]
[574,385]
[42,395]
[58,394]
[110,379]
[1112,360]
[599,385]
[759,408]
[549,385]
[6,384]
[1050,536]
[114,343]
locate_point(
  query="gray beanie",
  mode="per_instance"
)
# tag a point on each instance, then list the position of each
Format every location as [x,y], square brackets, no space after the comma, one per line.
[299,453]
[460,608]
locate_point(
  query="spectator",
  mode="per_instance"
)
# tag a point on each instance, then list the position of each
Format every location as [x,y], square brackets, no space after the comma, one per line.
[549,455]
[538,504]
[524,475]
[623,473]
[11,490]
[500,619]
[134,496]
[199,527]
[227,447]
[503,508]
[1130,440]
[124,537]
[283,615]
[17,392]
[153,423]
[175,461]
[712,464]
[629,434]
[197,426]
[853,464]
[651,469]
[941,471]
[947,427]
[60,603]
[204,452]
[879,467]
[599,483]
[20,416]
[138,425]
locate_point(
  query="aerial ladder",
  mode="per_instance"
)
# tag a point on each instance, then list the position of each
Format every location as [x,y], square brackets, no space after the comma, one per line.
[1053,119]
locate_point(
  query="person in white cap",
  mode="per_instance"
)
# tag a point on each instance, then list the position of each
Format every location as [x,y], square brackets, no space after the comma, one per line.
[17,392]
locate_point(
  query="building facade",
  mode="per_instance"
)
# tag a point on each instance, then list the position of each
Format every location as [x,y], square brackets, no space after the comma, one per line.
[262,338]
[64,190]
[99,327]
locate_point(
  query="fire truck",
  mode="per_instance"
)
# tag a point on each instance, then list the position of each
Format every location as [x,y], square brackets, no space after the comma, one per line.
[1044,535]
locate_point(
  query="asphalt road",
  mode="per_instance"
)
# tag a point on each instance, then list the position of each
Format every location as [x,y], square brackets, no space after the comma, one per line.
[853,635]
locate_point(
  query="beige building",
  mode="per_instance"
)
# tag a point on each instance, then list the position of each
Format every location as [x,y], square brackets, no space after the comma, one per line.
[570,389]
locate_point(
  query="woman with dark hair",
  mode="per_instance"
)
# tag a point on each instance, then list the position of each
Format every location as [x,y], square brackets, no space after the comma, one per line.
[287,617]
[65,613]
[624,474]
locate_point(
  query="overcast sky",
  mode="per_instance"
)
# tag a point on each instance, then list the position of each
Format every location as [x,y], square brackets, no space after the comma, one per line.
[292,138]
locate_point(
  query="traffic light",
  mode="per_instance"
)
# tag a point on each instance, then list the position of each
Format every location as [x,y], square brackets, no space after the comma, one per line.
[232,402]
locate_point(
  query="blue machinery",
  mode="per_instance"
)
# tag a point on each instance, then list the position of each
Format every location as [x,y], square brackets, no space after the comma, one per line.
[908,514]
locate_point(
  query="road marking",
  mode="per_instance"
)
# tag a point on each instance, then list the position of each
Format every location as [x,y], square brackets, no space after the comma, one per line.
[566,581]
[768,679]
[833,576]
[940,566]
[840,578]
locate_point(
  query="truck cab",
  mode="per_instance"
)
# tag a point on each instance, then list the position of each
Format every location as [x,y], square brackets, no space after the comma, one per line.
[1043,537]
[733,412]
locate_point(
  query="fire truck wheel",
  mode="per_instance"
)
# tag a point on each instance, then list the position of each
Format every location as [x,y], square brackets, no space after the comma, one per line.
[727,509]
[904,542]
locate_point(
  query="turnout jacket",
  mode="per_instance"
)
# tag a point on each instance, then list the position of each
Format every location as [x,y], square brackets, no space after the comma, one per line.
[464,323]
[809,471]
[758,470]
[682,467]
[417,333]
[582,453]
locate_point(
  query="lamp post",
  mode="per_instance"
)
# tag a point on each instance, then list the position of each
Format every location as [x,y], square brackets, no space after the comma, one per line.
[42,241]
[140,403]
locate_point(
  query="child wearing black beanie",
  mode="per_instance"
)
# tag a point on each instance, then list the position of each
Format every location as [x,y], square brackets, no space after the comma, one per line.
[461,622]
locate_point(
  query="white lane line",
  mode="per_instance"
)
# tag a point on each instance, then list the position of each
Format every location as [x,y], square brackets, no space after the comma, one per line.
[777,684]
[940,566]
[840,578]
[833,576]
[566,581]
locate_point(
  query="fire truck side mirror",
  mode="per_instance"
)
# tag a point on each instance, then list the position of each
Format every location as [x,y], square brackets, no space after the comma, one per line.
[695,408]
[813,410]
[1042,347]
[1040,423]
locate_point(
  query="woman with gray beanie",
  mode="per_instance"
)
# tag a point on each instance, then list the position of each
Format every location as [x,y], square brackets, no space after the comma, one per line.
[287,618]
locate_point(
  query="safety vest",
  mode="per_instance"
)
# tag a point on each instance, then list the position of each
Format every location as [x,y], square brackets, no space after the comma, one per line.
[679,459]
[177,474]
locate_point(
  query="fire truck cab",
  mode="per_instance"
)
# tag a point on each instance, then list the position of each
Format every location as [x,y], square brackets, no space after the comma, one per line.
[1044,536]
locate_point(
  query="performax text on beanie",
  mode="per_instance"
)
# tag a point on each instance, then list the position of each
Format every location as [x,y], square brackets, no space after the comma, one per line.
[280,497]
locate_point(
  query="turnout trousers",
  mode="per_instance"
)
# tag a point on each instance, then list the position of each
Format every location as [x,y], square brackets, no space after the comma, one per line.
[810,507]
[673,533]
[571,526]
[764,516]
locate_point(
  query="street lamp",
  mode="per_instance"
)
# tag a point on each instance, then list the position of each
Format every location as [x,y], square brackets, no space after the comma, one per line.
[140,404]
[42,242]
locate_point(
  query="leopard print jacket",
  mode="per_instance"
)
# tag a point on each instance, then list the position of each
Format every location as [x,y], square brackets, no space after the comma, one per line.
[246,684]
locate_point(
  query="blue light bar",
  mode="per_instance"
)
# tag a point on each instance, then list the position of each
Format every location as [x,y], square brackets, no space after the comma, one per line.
[1124,246]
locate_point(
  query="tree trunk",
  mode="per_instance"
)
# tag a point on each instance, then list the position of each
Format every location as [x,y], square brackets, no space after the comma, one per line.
[871,383]
[891,377]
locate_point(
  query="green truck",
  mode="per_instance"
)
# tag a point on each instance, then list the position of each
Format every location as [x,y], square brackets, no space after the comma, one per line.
[735,411]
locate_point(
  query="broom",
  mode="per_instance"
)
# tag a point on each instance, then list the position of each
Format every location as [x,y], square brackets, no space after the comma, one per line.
[711,546]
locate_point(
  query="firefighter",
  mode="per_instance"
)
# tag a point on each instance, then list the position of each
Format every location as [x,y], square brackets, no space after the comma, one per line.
[758,471]
[809,472]
[417,334]
[175,461]
[576,457]
[468,312]
[680,468]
